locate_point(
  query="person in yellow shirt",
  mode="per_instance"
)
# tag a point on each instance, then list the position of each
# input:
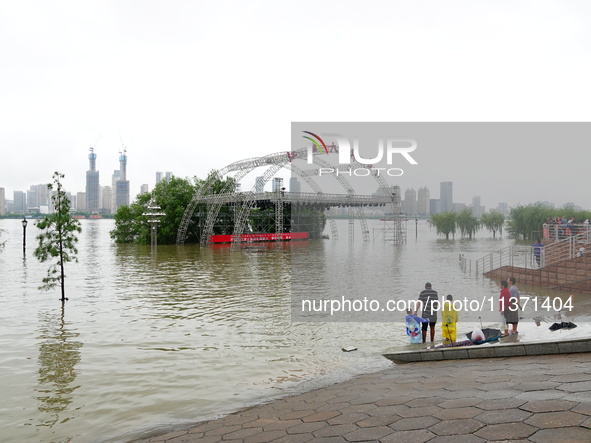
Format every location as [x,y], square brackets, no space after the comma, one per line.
[449,319]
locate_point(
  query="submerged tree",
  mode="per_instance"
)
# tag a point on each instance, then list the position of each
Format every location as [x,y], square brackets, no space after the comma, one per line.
[493,221]
[467,223]
[445,223]
[58,237]
[172,196]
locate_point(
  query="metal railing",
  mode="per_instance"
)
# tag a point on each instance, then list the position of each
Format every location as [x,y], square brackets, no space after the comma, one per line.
[562,231]
[524,257]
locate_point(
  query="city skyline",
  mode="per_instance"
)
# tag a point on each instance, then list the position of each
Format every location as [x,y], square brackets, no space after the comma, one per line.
[78,72]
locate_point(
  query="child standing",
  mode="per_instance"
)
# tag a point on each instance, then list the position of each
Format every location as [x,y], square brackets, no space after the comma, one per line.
[450,318]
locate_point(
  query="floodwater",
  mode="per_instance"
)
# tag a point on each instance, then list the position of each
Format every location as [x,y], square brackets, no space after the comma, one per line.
[150,341]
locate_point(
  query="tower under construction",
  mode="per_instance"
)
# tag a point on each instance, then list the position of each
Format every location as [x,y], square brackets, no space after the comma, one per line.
[92,184]
[122,185]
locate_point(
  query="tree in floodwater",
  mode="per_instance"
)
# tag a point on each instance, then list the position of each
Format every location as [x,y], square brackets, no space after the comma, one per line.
[527,221]
[445,223]
[172,196]
[59,235]
[493,221]
[467,224]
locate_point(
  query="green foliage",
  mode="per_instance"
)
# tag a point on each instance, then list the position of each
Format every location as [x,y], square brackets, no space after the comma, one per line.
[527,221]
[493,221]
[172,196]
[467,224]
[445,223]
[58,238]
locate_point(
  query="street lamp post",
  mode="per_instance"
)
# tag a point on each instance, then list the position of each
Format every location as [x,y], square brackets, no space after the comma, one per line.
[24,223]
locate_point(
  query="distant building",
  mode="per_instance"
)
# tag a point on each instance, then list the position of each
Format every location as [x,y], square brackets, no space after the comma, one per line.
[2,201]
[73,201]
[163,176]
[41,194]
[503,208]
[122,185]
[32,204]
[259,186]
[144,189]
[446,196]
[459,207]
[114,180]
[106,199]
[294,185]
[435,206]
[20,202]
[92,185]
[409,204]
[423,202]
[80,201]
[477,209]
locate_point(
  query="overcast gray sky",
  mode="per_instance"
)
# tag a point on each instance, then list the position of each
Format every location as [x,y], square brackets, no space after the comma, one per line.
[192,86]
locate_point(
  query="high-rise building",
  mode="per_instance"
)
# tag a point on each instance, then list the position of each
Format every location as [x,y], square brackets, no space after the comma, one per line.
[409,205]
[435,206]
[122,185]
[42,194]
[32,204]
[106,199]
[446,196]
[92,184]
[294,185]
[20,202]
[163,176]
[81,201]
[259,185]
[477,209]
[144,189]
[423,202]
[114,179]
[2,201]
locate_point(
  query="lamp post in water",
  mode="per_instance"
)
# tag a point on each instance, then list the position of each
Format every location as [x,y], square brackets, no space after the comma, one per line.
[153,213]
[24,223]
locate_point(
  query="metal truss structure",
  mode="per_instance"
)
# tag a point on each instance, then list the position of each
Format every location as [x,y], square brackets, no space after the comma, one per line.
[245,201]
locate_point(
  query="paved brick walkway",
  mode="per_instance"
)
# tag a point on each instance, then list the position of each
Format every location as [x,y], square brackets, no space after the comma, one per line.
[539,399]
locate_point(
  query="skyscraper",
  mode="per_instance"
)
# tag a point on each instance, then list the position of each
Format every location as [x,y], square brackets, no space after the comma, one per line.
[423,208]
[92,184]
[409,205]
[163,176]
[259,185]
[446,196]
[294,185]
[114,179]
[122,185]
[20,202]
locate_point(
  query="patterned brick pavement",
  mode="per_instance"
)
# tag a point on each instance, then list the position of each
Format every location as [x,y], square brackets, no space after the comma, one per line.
[539,399]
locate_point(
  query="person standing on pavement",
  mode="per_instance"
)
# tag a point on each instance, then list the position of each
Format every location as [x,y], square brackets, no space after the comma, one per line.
[428,305]
[515,301]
